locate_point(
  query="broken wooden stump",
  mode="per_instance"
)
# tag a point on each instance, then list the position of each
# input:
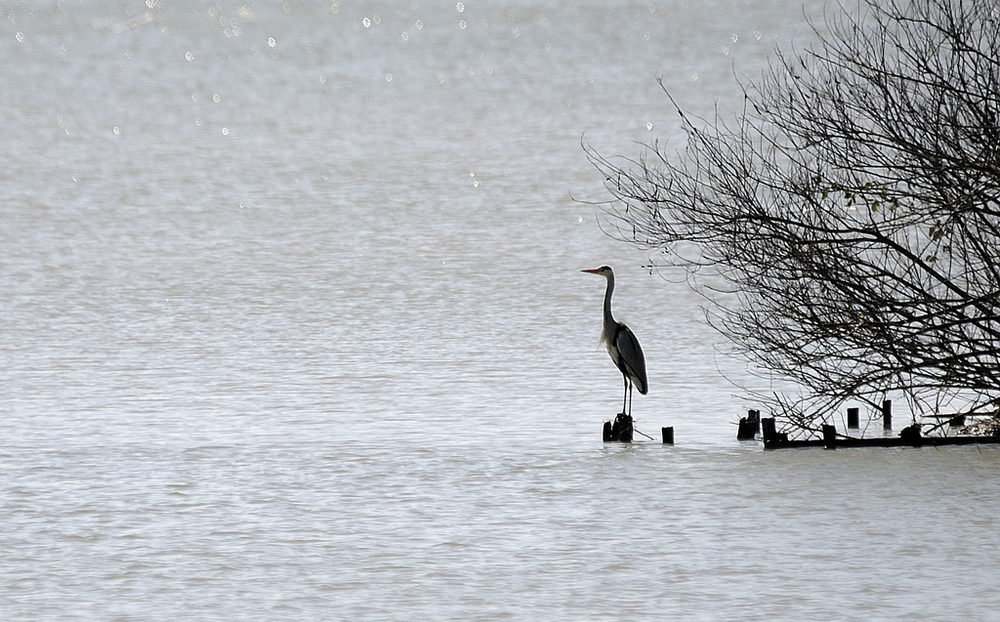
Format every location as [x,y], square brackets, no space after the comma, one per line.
[668,435]
[749,426]
[620,431]
[829,436]
[771,437]
[911,435]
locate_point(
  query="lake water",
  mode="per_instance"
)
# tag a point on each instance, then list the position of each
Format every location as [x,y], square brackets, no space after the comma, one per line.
[293,328]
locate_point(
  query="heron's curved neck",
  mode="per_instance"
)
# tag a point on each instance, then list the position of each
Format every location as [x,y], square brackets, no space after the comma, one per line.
[608,319]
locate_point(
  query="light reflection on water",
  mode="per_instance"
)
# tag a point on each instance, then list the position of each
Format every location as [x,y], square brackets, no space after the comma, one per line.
[309,367]
[486,529]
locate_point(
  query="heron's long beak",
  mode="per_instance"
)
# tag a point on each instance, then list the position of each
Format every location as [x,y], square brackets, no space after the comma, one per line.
[591,271]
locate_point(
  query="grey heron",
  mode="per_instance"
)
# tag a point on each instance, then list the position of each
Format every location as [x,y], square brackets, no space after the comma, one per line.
[622,345]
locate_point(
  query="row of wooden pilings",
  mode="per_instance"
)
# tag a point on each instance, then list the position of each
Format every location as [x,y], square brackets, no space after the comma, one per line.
[749,426]
[910,436]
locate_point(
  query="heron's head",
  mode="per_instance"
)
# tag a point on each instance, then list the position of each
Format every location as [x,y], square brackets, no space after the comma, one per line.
[604,271]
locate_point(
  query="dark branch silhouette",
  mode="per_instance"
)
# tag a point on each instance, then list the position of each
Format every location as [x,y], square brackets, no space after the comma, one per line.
[850,215]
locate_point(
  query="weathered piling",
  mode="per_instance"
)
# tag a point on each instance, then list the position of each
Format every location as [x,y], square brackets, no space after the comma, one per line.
[668,435]
[620,431]
[911,435]
[768,433]
[887,415]
[749,426]
[771,437]
[829,436]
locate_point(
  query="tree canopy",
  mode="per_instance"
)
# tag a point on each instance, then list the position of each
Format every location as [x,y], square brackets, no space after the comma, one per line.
[851,212]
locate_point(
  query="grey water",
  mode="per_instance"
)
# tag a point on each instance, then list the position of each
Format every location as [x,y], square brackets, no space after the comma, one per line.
[292,327]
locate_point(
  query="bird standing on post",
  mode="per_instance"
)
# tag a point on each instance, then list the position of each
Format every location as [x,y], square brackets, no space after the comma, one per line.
[622,345]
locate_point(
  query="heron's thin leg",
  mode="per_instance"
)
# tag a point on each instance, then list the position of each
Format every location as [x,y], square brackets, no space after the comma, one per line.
[629,397]
[625,393]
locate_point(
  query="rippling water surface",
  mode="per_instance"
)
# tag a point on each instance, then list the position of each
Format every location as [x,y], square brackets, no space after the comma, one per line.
[293,328]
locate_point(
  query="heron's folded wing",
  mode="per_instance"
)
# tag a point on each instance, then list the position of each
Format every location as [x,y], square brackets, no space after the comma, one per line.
[630,353]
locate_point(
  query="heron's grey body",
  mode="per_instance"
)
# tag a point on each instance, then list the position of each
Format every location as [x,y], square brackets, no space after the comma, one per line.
[621,342]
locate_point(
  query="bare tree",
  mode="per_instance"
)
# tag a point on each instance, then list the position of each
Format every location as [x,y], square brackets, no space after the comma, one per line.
[852,211]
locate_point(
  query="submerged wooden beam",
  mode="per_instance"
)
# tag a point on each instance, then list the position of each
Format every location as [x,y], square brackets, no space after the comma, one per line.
[908,437]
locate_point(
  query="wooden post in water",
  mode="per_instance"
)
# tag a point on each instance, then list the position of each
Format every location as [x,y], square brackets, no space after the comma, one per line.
[621,430]
[768,433]
[749,426]
[668,435]
[852,418]
[911,435]
[887,415]
[829,436]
